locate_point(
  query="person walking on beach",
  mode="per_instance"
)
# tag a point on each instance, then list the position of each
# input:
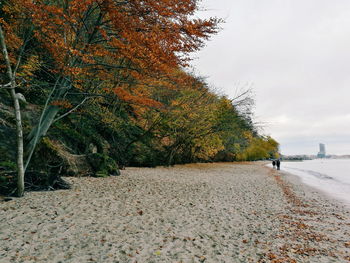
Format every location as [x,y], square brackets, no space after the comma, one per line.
[273,164]
[278,164]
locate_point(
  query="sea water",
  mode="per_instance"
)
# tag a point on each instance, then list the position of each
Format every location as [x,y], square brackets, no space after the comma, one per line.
[331,176]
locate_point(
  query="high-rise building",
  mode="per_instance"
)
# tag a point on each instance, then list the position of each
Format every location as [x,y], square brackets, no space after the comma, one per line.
[322,152]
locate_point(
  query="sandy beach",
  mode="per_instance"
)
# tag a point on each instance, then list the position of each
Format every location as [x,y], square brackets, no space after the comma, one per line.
[192,213]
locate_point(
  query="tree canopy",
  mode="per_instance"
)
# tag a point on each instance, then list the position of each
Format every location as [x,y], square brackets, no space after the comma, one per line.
[108,79]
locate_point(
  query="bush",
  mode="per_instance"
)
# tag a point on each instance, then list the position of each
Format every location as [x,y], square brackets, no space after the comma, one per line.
[8,166]
[102,165]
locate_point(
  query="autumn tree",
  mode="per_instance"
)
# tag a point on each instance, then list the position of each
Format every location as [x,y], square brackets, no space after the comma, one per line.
[259,148]
[11,86]
[91,47]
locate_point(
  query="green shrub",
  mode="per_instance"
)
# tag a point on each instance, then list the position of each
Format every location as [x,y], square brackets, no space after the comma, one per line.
[102,165]
[8,165]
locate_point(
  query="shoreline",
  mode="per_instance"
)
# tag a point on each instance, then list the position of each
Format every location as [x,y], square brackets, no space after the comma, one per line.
[223,212]
[312,190]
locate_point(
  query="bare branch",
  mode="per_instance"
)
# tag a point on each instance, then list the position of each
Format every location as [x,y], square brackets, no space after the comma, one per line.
[6,86]
[70,111]
[20,57]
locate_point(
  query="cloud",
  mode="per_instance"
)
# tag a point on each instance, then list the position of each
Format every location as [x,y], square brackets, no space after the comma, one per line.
[296,53]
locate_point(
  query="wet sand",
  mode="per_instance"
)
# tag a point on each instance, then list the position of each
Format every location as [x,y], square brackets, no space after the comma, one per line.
[193,213]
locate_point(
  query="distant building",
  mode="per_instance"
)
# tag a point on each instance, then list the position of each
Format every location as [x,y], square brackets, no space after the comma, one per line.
[322,152]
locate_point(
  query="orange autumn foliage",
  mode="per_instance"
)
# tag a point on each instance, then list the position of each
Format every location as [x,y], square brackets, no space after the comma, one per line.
[64,104]
[140,100]
[111,52]
[97,38]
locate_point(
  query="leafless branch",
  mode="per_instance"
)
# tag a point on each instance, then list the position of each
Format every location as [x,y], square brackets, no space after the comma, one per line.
[70,111]
[6,86]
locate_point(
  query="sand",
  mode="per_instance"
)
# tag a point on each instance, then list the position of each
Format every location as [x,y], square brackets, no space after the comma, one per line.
[192,213]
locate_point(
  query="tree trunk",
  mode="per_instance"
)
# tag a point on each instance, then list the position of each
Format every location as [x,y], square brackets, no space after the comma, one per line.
[47,117]
[39,131]
[20,167]
[19,133]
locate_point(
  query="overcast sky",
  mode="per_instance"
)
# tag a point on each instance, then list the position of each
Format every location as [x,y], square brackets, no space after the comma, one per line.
[296,54]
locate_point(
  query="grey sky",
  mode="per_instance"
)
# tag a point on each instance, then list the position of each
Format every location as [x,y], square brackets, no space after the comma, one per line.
[296,53]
